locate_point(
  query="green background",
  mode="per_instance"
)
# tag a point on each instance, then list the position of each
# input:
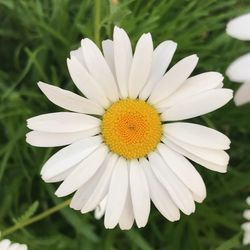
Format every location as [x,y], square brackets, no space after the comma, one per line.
[35,40]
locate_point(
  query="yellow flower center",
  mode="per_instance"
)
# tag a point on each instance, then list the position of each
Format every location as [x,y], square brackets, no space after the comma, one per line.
[131,128]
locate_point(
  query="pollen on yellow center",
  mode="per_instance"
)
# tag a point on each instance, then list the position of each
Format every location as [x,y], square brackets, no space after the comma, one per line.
[131,128]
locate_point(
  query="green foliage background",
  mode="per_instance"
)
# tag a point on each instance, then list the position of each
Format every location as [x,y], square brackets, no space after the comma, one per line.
[35,40]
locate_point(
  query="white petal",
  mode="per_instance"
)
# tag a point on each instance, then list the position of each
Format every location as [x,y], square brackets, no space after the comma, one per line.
[193,156]
[248,200]
[17,246]
[101,188]
[220,85]
[139,193]
[159,195]
[238,70]
[63,122]
[14,246]
[173,79]
[242,95]
[126,220]
[246,226]
[177,190]
[239,27]
[141,65]
[200,104]
[82,195]
[23,247]
[61,176]
[122,59]
[191,87]
[44,139]
[117,194]
[246,214]
[99,69]
[246,238]
[86,83]
[162,57]
[84,171]
[108,52]
[197,135]
[70,101]
[216,156]
[4,244]
[185,171]
[100,209]
[69,156]
[79,56]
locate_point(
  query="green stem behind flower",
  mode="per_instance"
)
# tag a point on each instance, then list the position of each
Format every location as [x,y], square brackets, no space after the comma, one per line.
[97,21]
[34,219]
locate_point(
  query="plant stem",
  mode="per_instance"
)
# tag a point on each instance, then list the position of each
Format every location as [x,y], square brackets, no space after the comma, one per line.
[34,219]
[208,122]
[97,21]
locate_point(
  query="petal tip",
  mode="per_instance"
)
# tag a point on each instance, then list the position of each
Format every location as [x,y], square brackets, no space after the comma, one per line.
[60,192]
[195,56]
[41,84]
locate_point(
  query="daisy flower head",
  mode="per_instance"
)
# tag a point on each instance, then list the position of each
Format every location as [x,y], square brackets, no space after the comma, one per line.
[238,70]
[7,245]
[124,145]
[246,226]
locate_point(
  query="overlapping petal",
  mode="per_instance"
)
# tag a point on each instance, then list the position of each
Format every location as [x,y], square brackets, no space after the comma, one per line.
[198,105]
[179,193]
[192,87]
[122,59]
[100,191]
[117,194]
[69,157]
[108,53]
[83,172]
[197,135]
[172,80]
[46,139]
[162,57]
[159,195]
[70,101]
[141,65]
[139,193]
[126,220]
[99,69]
[84,195]
[185,171]
[203,157]
[86,83]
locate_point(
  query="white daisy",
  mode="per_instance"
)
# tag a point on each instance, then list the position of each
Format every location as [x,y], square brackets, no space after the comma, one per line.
[7,245]
[246,225]
[239,71]
[121,142]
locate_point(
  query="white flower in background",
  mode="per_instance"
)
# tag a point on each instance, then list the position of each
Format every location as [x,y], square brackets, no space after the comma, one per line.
[239,70]
[7,245]
[246,225]
[121,143]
